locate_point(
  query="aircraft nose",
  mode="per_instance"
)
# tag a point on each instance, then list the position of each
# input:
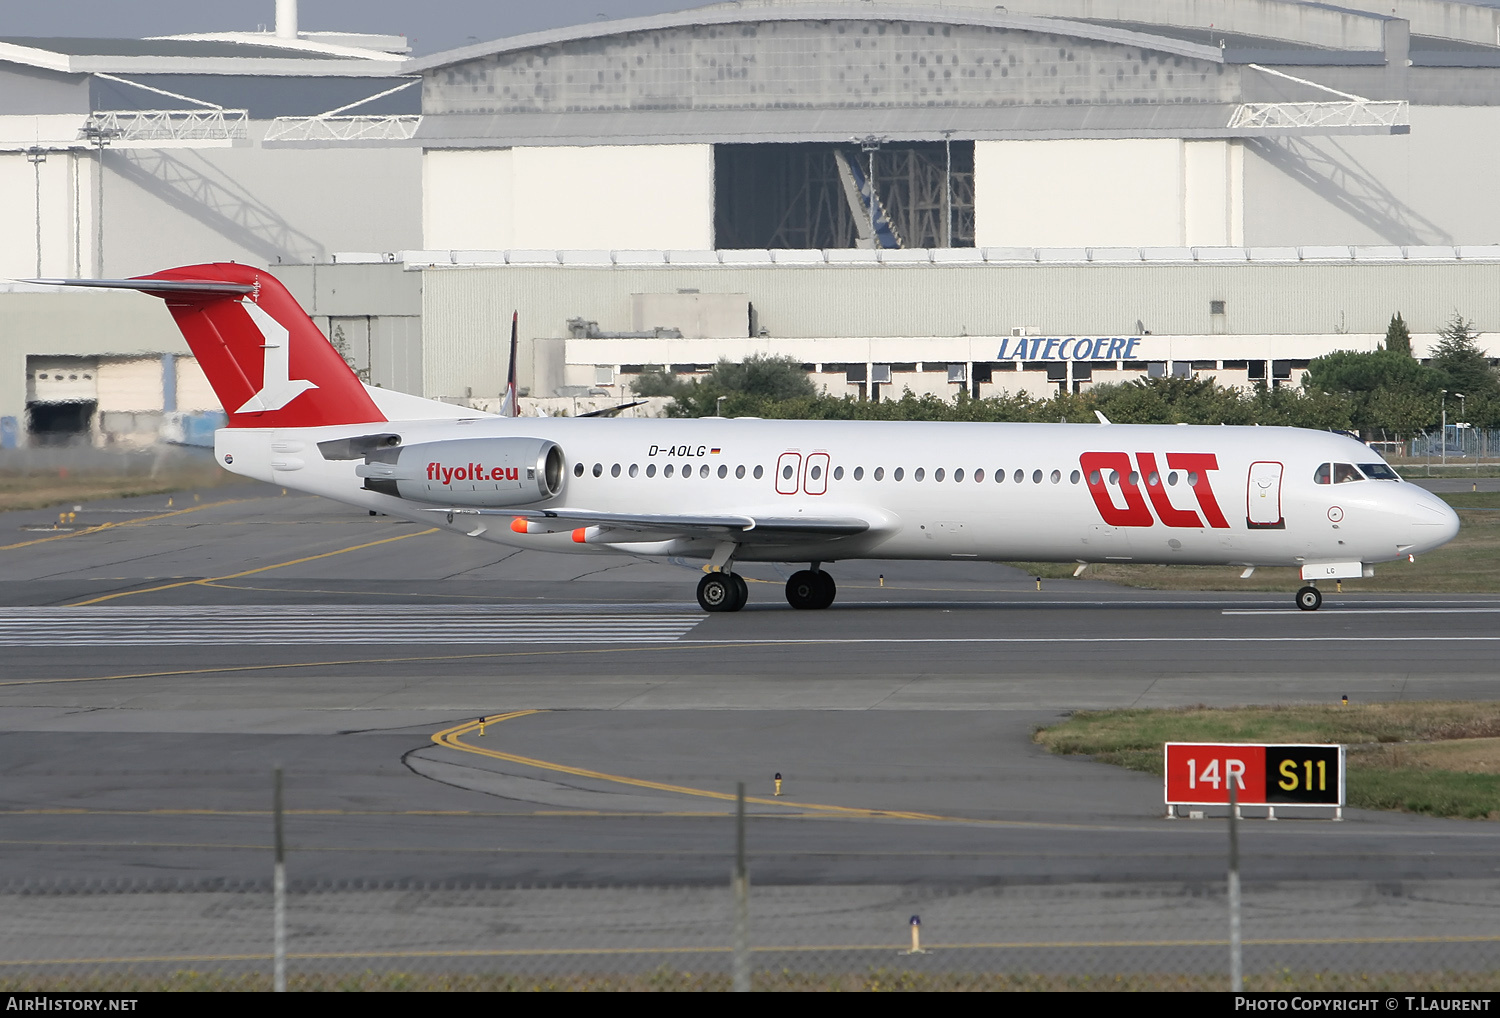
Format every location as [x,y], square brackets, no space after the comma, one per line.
[1434,523]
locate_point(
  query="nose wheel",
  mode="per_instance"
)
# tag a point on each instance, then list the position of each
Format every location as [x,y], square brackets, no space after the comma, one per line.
[1309,599]
[722,592]
[808,590]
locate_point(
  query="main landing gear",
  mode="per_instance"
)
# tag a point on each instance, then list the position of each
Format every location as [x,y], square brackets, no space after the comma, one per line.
[810,589]
[1309,599]
[722,592]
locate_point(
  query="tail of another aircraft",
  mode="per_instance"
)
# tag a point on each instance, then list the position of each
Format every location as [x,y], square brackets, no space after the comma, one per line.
[509,407]
[266,360]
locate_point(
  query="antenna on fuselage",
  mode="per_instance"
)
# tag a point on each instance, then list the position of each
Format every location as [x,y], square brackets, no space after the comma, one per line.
[1102,419]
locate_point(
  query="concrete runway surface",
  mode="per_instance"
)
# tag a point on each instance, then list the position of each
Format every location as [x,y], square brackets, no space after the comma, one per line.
[156,662]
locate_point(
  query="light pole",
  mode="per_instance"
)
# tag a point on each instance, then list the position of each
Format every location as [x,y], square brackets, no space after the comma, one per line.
[1444,452]
[99,135]
[719,405]
[1462,416]
[948,188]
[36,156]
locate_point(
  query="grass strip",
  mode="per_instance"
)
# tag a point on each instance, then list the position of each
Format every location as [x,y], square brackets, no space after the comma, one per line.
[1440,758]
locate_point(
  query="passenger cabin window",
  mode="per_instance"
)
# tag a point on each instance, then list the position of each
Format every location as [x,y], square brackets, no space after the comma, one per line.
[1379,472]
[1343,473]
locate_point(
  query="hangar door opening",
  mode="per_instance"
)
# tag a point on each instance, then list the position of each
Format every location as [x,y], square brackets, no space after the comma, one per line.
[819,195]
[62,394]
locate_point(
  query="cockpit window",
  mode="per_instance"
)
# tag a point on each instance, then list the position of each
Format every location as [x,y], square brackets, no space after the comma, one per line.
[1324,474]
[1379,472]
[1343,473]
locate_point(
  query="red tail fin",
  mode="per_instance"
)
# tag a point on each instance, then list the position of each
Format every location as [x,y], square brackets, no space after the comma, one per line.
[268,363]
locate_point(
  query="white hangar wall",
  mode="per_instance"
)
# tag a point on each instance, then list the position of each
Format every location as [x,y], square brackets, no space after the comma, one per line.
[252,204]
[1427,187]
[1108,193]
[60,190]
[604,196]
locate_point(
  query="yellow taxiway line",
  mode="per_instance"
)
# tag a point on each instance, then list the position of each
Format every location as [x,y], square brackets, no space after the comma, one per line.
[250,572]
[451,738]
[111,525]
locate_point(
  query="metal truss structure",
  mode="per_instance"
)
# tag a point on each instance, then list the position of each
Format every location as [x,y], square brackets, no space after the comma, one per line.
[792,196]
[354,128]
[1314,116]
[127,127]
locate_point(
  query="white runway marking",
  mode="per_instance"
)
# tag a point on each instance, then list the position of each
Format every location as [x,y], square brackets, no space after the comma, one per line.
[134,625]
[1363,611]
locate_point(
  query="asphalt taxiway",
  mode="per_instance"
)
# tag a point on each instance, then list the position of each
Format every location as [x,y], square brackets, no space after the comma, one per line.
[157,661]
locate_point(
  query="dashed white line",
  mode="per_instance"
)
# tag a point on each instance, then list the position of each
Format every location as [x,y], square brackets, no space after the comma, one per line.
[134,625]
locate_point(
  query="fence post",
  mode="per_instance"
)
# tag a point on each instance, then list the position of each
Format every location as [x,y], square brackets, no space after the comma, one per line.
[740,964]
[278,894]
[1236,970]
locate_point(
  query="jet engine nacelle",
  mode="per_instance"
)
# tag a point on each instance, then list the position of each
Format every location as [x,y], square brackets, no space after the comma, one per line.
[481,472]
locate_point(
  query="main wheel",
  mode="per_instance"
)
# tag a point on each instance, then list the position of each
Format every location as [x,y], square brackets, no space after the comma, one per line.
[810,591]
[827,589]
[803,590]
[1309,599]
[718,592]
[742,592]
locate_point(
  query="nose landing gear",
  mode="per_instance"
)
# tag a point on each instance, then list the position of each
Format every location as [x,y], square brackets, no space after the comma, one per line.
[722,592]
[1309,599]
[810,590]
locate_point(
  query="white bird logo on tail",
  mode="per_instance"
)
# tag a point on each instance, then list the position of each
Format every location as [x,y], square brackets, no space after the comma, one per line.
[277,387]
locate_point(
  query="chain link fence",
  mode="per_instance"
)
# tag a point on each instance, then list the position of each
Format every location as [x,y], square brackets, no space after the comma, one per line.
[1428,935]
[1464,445]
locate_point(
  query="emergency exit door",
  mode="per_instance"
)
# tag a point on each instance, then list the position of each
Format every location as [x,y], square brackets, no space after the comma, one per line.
[1263,497]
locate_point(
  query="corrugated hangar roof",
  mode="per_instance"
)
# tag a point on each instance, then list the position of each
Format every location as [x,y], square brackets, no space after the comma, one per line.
[857,10]
[825,71]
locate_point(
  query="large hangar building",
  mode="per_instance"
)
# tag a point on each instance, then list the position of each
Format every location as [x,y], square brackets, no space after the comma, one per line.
[917,194]
[1252,183]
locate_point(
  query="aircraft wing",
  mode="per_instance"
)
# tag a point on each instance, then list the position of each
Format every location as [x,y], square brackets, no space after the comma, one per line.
[743,529]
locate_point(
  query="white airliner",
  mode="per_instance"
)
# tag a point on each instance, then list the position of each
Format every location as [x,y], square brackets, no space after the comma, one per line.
[749,490]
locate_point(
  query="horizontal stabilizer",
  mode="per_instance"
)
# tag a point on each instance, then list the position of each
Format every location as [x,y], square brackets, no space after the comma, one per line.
[204,287]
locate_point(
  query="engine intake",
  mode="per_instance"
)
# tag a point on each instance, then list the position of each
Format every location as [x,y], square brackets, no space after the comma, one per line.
[481,472]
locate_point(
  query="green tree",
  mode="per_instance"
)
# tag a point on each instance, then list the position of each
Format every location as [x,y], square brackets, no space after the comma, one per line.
[1397,338]
[1403,412]
[656,380]
[1457,357]
[757,380]
[1353,371]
